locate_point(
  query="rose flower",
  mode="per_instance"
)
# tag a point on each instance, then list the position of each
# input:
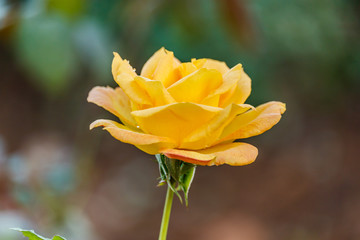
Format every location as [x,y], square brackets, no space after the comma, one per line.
[191,111]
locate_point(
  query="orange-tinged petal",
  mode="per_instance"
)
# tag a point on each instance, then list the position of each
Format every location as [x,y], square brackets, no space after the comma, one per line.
[121,66]
[254,122]
[175,120]
[241,92]
[161,67]
[155,90]
[206,135]
[189,156]
[235,154]
[196,86]
[133,90]
[113,100]
[149,143]
[210,64]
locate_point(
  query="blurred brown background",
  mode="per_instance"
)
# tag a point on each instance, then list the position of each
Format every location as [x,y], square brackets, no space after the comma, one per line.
[57,177]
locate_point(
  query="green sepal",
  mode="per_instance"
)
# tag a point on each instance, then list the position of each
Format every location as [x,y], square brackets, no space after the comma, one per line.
[173,166]
[33,236]
[186,179]
[167,167]
[177,174]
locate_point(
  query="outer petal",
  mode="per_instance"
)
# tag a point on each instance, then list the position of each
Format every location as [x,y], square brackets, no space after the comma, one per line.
[121,66]
[155,90]
[161,67]
[196,86]
[176,120]
[235,154]
[210,64]
[148,143]
[113,100]
[254,122]
[189,156]
[242,90]
[208,134]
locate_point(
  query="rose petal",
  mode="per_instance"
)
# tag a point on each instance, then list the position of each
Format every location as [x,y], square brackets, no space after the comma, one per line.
[206,135]
[210,64]
[175,120]
[211,100]
[133,90]
[228,86]
[189,156]
[161,67]
[113,100]
[241,92]
[155,90]
[254,122]
[196,86]
[121,66]
[149,143]
[185,69]
[235,154]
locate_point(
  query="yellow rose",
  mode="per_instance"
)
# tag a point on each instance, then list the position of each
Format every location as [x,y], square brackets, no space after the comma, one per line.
[190,111]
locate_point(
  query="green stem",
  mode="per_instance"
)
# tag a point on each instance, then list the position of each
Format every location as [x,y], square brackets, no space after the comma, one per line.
[166,214]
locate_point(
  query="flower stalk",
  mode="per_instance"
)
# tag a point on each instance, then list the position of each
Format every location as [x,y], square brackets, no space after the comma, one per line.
[166,214]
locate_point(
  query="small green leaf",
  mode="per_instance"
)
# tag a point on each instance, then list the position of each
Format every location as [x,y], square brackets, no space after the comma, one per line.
[33,236]
[161,183]
[58,238]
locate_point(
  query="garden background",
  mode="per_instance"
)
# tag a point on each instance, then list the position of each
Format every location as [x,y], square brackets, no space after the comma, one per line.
[57,177]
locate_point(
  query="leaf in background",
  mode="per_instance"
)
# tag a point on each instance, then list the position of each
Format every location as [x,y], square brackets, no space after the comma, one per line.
[44,47]
[33,236]
[95,47]
[69,8]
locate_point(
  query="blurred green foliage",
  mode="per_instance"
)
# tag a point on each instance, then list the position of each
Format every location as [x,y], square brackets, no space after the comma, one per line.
[44,47]
[311,46]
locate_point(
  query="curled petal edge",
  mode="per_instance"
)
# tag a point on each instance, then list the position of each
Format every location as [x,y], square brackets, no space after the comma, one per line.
[113,100]
[254,122]
[120,66]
